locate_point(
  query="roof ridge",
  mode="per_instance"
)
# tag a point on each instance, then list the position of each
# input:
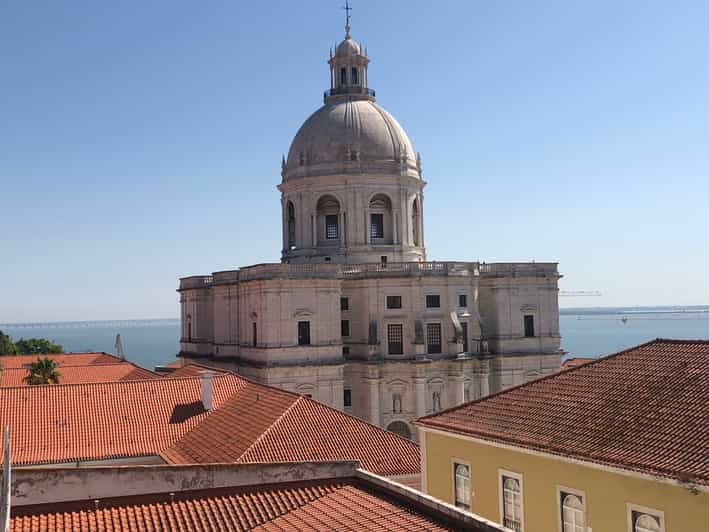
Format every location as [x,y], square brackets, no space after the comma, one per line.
[266,432]
[535,381]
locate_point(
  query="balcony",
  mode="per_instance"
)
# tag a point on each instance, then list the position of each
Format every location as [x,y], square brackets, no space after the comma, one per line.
[341,91]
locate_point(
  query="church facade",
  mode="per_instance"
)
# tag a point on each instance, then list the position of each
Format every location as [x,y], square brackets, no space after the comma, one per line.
[355,315]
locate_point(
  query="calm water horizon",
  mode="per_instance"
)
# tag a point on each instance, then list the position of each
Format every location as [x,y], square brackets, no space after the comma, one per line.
[585,332]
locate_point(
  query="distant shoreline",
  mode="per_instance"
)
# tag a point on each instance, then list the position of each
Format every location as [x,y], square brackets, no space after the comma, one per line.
[564,311]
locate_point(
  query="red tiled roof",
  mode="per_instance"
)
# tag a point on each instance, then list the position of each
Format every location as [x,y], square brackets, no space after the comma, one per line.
[74,422]
[192,370]
[318,505]
[575,362]
[262,424]
[124,371]
[645,409]
[62,359]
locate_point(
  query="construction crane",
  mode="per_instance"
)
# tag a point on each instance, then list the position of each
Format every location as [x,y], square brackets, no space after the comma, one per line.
[579,293]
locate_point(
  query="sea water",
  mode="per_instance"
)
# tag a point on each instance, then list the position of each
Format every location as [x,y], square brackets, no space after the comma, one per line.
[584,332]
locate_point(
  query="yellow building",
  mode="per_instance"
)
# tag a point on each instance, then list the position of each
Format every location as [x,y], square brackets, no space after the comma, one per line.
[617,445]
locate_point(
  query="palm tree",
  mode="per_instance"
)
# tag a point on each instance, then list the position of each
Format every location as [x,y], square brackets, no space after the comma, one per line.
[44,371]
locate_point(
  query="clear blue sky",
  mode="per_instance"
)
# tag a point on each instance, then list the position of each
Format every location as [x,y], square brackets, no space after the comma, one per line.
[141,141]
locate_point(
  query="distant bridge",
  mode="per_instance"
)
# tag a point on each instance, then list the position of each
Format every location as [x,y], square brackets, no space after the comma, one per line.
[108,324]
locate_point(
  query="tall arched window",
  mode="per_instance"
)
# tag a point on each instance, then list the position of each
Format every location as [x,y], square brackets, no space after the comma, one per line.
[343,76]
[328,219]
[355,81]
[462,486]
[572,514]
[188,332]
[415,221]
[291,225]
[381,230]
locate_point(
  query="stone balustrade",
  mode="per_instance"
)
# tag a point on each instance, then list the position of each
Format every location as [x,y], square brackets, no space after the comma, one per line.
[370,270]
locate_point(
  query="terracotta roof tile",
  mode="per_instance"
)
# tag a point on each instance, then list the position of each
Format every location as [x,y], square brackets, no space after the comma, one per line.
[63,359]
[123,371]
[74,422]
[576,362]
[645,409]
[317,505]
[263,424]
[192,370]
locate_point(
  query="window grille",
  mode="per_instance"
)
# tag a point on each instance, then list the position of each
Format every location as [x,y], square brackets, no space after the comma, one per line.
[377,225]
[511,504]
[331,229]
[395,338]
[573,518]
[433,301]
[462,486]
[433,337]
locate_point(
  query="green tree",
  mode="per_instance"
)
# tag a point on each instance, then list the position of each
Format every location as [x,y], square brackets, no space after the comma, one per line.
[44,371]
[7,346]
[36,346]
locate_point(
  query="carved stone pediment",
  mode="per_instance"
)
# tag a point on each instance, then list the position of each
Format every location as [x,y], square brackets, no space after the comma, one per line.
[303,313]
[529,308]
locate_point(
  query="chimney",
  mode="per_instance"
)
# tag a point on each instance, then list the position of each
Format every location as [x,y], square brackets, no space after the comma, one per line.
[206,384]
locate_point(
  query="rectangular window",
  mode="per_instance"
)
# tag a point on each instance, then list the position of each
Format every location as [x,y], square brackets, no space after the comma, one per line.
[254,339]
[376,225]
[463,300]
[461,479]
[345,327]
[331,232]
[345,349]
[395,338]
[529,326]
[641,519]
[347,397]
[511,501]
[303,333]
[433,337]
[433,301]
[393,301]
[572,510]
[464,325]
[344,303]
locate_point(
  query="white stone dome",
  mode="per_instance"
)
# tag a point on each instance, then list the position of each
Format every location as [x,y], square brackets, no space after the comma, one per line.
[350,136]
[348,47]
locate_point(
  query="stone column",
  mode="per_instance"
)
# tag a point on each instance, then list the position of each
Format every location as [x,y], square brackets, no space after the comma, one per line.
[484,378]
[420,221]
[374,406]
[284,211]
[397,220]
[458,389]
[420,395]
[367,231]
[314,230]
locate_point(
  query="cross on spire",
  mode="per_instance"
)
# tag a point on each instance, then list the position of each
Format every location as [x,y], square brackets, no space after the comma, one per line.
[347,9]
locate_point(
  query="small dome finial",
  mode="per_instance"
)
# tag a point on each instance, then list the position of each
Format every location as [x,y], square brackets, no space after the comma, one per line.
[347,9]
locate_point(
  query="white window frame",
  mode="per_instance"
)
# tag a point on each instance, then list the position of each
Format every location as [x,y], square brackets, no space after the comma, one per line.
[460,461]
[559,508]
[501,494]
[630,508]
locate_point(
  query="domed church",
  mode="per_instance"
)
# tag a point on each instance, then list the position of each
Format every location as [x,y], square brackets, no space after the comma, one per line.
[355,315]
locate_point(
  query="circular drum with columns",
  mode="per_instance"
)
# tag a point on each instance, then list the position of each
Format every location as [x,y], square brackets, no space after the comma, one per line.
[352,190]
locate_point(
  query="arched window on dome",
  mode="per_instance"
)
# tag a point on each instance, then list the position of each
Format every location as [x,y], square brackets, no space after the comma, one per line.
[400,428]
[291,225]
[343,76]
[355,79]
[415,222]
[328,221]
[381,229]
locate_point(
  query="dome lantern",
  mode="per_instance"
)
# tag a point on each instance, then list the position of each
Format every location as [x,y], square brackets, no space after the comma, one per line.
[348,69]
